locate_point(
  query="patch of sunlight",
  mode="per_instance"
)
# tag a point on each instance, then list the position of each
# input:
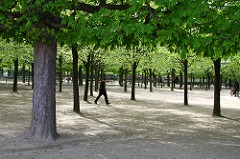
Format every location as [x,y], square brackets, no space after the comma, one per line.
[184,113]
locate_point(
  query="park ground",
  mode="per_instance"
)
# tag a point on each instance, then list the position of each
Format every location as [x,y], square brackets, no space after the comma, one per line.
[155,126]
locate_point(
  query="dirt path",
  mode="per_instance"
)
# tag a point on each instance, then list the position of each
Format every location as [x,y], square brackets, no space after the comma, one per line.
[155,126]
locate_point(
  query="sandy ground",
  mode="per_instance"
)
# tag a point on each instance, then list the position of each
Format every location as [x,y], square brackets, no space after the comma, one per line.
[155,126]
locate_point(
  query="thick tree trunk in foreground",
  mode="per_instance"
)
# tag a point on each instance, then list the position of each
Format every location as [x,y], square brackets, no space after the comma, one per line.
[43,125]
[217,82]
[76,104]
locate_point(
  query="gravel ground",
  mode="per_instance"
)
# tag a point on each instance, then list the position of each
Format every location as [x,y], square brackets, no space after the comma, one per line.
[155,126]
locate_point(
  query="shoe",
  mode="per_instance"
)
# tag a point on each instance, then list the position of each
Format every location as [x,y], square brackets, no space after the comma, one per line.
[95,102]
[108,103]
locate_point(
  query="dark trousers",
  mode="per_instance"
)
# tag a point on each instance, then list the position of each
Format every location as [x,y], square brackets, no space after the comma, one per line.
[104,94]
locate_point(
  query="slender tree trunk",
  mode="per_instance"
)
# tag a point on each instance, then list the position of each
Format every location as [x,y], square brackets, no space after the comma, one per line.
[43,124]
[91,73]
[134,67]
[185,65]
[120,79]
[60,74]
[168,79]
[97,72]
[29,74]
[172,81]
[125,80]
[80,76]
[216,106]
[32,75]
[151,79]
[191,82]
[15,75]
[23,74]
[87,64]
[145,79]
[76,103]
[181,80]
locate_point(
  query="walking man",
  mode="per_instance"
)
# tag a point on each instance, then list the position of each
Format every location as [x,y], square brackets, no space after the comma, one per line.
[102,91]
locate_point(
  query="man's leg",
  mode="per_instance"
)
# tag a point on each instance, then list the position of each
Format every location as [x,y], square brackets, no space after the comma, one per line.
[106,98]
[99,95]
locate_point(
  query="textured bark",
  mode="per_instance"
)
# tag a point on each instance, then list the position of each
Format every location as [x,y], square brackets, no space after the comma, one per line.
[80,76]
[43,125]
[125,80]
[134,67]
[216,106]
[23,74]
[185,67]
[15,75]
[151,79]
[91,73]
[60,74]
[87,65]
[76,104]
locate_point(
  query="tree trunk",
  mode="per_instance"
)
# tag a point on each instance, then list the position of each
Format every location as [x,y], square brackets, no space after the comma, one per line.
[23,74]
[43,124]
[120,79]
[181,80]
[191,81]
[97,72]
[60,74]
[145,79]
[80,76]
[15,75]
[32,75]
[151,79]
[216,106]
[91,73]
[125,80]
[87,64]
[134,67]
[172,81]
[168,79]
[76,103]
[185,65]
[29,75]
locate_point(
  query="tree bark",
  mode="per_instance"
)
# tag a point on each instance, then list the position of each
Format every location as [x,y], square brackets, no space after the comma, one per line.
[87,64]
[43,124]
[120,79]
[91,73]
[151,79]
[125,80]
[180,80]
[97,72]
[216,106]
[60,74]
[172,79]
[185,67]
[23,74]
[15,75]
[76,103]
[80,76]
[32,75]
[134,67]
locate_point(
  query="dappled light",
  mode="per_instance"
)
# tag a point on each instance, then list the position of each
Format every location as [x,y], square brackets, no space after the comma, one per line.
[156,121]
